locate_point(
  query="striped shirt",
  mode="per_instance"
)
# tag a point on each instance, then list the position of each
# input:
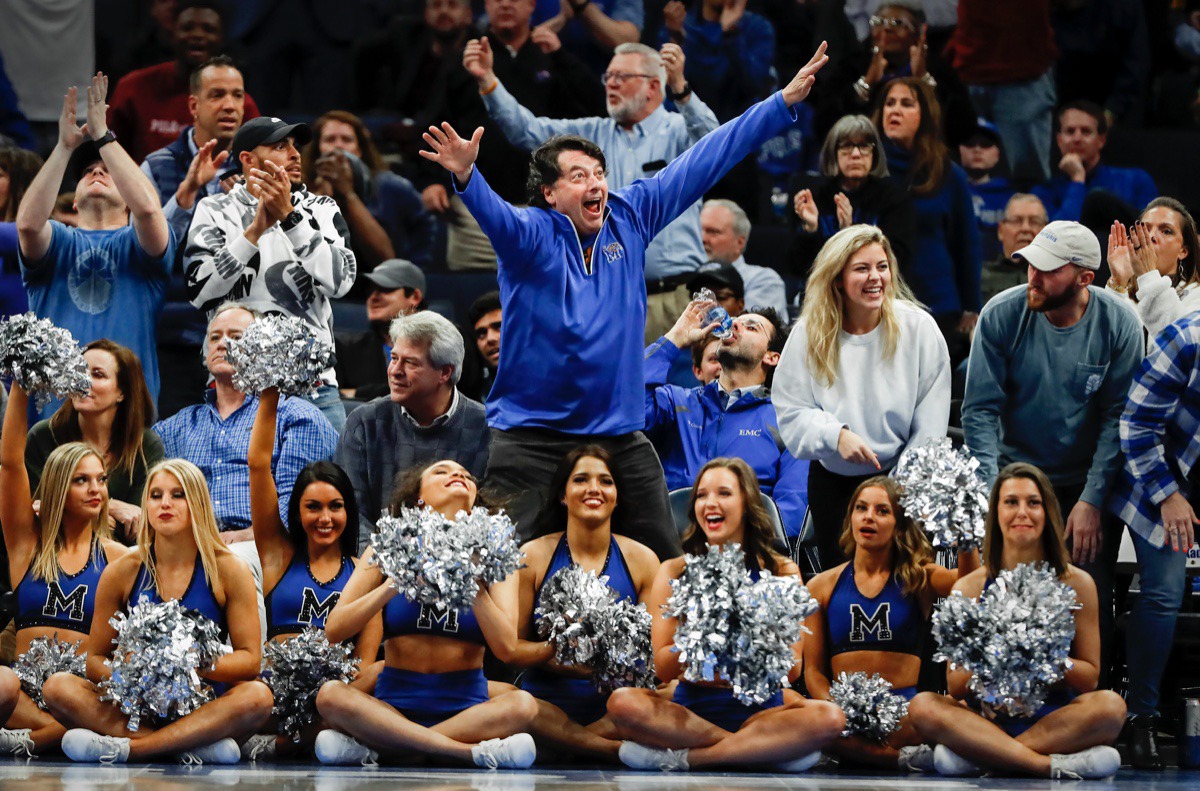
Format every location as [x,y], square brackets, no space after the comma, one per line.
[1159,429]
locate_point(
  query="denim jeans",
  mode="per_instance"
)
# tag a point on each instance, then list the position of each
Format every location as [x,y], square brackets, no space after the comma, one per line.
[329,401]
[1023,113]
[1151,627]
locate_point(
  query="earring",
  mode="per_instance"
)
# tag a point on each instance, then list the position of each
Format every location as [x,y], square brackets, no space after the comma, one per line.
[420,501]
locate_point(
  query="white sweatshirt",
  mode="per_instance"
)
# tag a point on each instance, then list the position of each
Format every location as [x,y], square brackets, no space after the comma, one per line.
[889,403]
[1158,303]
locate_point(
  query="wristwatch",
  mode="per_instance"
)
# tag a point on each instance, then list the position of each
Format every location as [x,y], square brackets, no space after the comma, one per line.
[291,221]
[105,139]
[685,93]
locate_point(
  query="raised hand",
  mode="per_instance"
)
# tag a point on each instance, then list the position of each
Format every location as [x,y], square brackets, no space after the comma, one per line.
[806,210]
[797,90]
[1119,264]
[97,107]
[1142,255]
[674,13]
[1072,167]
[202,170]
[845,212]
[731,14]
[673,60]
[690,328]
[451,151]
[545,39]
[875,70]
[69,133]
[273,189]
[478,60]
[918,55]
[334,169]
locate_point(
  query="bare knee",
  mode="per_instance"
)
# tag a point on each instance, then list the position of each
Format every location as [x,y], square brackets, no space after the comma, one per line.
[61,690]
[827,719]
[522,707]
[628,706]
[927,713]
[255,700]
[1107,713]
[331,698]
[10,687]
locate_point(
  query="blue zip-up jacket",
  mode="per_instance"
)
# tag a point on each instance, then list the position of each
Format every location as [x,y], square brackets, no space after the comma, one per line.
[1064,198]
[945,270]
[572,340]
[689,428]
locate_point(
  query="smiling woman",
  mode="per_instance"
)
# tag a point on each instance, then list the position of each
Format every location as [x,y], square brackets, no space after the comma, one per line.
[858,316]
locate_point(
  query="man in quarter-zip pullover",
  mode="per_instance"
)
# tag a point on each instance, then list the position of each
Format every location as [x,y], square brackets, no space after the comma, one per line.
[571,285]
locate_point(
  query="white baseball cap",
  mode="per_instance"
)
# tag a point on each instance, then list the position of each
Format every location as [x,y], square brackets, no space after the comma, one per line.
[1060,243]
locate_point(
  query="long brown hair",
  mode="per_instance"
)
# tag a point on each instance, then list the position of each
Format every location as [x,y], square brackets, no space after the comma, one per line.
[911,549]
[757,527]
[134,413]
[367,151]
[1054,545]
[552,518]
[930,157]
[21,167]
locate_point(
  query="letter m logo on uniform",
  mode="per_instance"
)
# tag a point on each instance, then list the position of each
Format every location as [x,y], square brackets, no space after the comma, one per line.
[861,625]
[446,616]
[57,603]
[311,607]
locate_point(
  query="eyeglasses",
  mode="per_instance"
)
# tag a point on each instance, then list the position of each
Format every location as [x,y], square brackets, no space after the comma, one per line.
[890,24]
[619,77]
[1031,222]
[862,148]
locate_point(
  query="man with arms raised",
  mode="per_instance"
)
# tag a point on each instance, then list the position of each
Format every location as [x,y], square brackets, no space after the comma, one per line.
[574,300]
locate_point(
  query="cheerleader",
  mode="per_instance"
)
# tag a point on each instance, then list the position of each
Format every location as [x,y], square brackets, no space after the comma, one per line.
[179,556]
[56,557]
[571,711]
[692,725]
[875,611]
[1068,736]
[431,696]
[307,563]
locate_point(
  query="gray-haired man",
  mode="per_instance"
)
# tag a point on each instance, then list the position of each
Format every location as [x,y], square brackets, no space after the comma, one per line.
[422,419]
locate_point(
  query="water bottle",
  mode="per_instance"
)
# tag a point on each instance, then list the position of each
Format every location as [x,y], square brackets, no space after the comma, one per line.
[715,313]
[1189,727]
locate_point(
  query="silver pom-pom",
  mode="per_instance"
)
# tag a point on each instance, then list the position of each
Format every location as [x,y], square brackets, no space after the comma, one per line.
[873,711]
[45,657]
[160,651]
[296,668]
[1015,640]
[278,351]
[43,359]
[942,491]
[433,560]
[734,627]
[591,627]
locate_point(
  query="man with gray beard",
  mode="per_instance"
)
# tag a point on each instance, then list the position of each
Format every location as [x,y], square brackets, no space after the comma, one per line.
[639,137]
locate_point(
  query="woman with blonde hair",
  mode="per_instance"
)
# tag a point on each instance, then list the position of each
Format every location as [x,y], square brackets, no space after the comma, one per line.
[685,724]
[1068,737]
[864,375]
[55,559]
[874,612]
[179,556]
[114,417]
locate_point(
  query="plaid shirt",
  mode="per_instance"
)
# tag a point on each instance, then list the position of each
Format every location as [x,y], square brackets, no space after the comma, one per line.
[1159,429]
[220,447]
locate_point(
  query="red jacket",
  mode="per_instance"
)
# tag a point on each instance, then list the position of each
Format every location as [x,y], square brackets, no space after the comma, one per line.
[149,109]
[1002,42]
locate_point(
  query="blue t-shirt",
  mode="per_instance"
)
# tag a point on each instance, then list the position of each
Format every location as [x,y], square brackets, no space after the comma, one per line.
[101,284]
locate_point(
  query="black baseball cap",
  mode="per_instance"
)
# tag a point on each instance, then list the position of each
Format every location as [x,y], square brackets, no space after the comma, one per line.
[719,275]
[263,131]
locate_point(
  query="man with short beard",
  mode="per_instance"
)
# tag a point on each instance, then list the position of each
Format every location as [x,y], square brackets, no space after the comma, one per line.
[638,137]
[1048,377]
[729,416]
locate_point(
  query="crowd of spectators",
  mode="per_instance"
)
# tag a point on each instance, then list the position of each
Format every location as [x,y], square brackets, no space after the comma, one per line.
[961,225]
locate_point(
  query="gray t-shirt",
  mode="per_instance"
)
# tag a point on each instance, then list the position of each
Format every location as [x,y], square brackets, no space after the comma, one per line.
[1051,396]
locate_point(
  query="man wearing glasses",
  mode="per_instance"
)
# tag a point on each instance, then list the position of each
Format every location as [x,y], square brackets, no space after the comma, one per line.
[639,137]
[1024,218]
